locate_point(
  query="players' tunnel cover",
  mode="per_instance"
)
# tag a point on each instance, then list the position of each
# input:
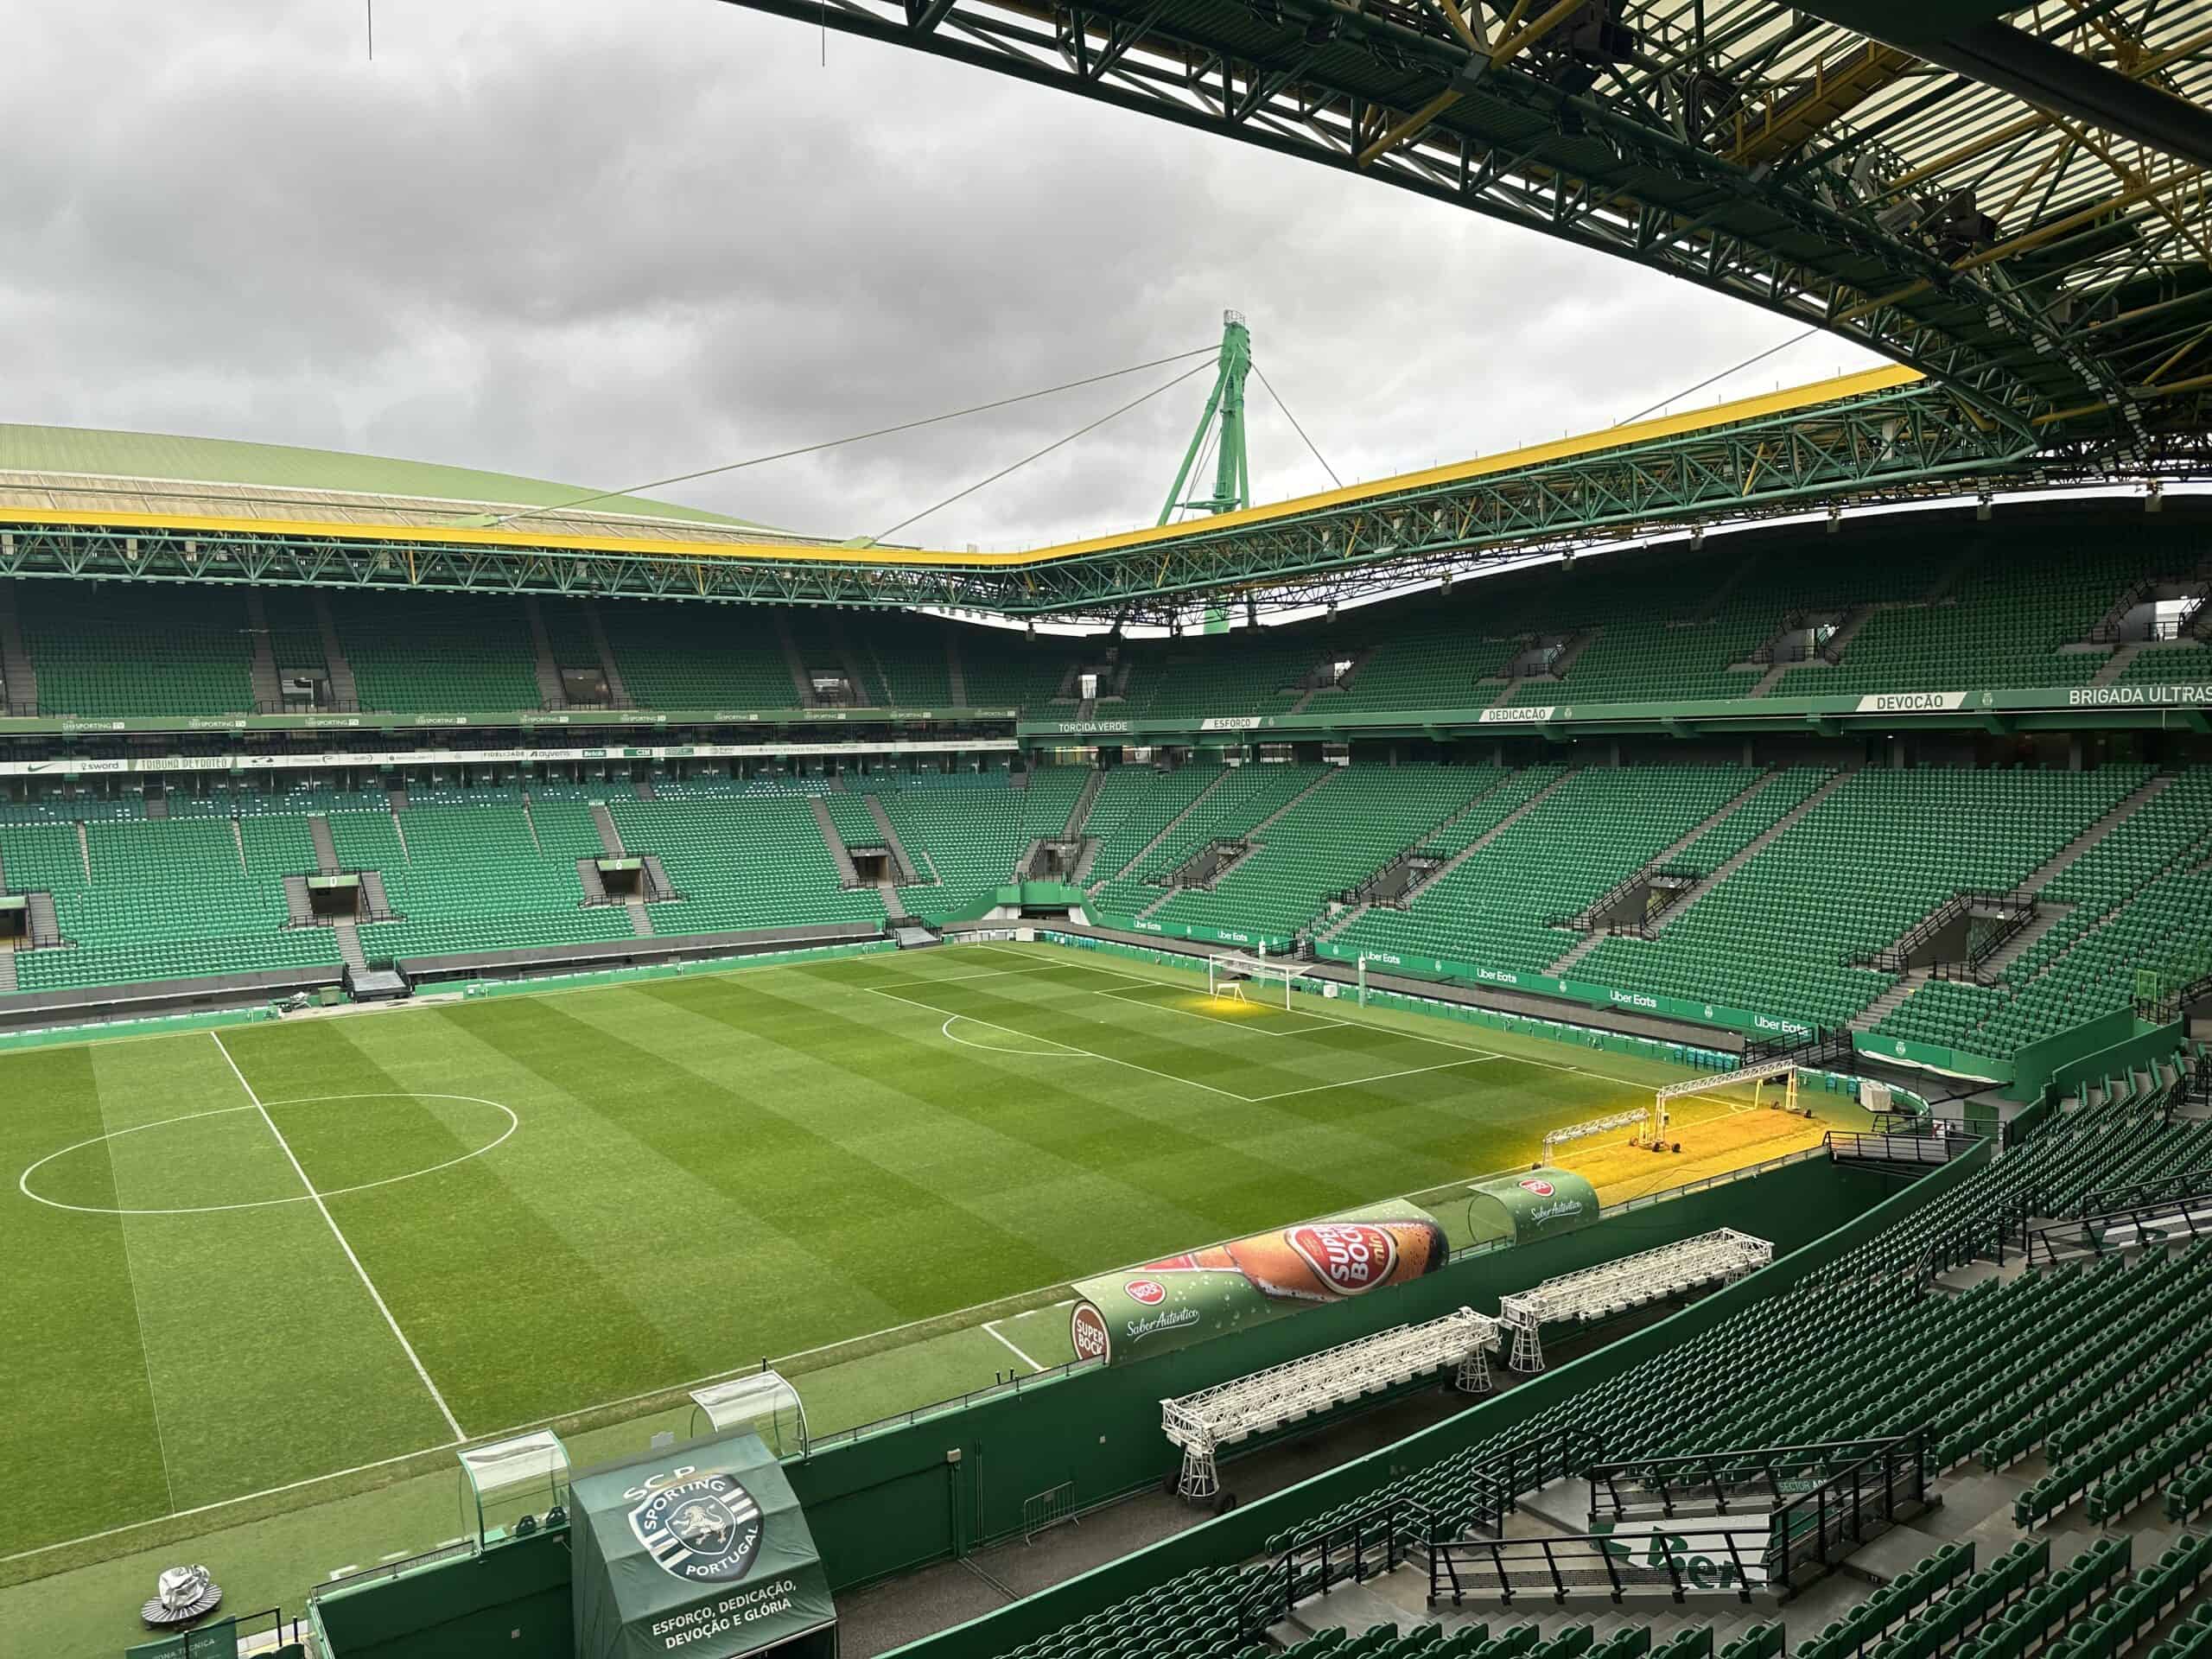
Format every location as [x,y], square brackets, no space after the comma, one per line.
[699,1550]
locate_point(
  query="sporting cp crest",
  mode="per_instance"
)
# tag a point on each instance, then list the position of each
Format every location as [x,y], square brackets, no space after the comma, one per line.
[702,1528]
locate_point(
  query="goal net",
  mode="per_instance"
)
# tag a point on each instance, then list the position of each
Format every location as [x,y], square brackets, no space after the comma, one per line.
[1240,978]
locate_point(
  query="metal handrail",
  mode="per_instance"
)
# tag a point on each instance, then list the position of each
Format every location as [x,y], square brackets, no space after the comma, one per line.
[1601,1559]
[1276,1587]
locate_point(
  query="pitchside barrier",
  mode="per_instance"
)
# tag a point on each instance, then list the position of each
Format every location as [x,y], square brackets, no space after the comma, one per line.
[1688,1055]
[885,1503]
[1813,1243]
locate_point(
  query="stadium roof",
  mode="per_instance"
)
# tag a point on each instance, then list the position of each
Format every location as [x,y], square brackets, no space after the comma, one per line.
[2010,200]
[1879,434]
[156,478]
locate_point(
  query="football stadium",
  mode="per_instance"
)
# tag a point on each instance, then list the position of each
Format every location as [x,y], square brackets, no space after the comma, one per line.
[1598,1051]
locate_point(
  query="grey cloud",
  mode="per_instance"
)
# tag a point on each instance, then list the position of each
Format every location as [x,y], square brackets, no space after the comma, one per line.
[606,241]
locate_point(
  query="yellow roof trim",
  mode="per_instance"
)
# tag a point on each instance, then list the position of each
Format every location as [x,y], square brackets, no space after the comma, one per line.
[1885,379]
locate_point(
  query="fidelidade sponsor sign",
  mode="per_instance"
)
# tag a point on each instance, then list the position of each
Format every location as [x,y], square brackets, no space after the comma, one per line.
[1169,1304]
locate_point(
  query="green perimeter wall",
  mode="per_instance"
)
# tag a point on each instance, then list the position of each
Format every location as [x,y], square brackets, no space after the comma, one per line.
[893,1502]
[1789,1206]
[513,1599]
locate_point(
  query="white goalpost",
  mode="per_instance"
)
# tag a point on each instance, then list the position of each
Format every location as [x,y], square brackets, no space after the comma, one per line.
[1650,1122]
[1226,975]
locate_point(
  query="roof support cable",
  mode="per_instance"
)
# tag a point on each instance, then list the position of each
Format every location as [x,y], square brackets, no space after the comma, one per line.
[503,519]
[1057,443]
[1293,419]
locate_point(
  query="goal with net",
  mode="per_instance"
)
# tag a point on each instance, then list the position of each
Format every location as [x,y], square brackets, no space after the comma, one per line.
[1240,978]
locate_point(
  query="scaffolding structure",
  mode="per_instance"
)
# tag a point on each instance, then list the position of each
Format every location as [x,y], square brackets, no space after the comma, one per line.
[1611,1288]
[1203,1422]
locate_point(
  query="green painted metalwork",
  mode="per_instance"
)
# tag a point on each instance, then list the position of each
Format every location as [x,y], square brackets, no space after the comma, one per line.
[1224,422]
[1750,148]
[1903,443]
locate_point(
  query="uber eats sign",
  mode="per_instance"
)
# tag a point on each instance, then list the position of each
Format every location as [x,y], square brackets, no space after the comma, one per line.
[699,1550]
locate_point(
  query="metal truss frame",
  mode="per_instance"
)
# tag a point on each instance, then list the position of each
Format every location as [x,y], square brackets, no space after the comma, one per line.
[1762,153]
[1908,442]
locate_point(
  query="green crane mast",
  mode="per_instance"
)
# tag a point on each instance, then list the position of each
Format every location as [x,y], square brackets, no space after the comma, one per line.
[1223,420]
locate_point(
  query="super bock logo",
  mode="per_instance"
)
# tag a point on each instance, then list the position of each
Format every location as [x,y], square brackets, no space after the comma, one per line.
[704,1527]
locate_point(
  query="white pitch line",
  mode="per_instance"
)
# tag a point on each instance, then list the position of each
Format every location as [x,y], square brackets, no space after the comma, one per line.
[1355,1082]
[406,1347]
[992,1326]
[1397,1031]
[1165,1076]
[1236,1022]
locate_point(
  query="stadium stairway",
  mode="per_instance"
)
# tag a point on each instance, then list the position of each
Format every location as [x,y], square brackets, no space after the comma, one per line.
[840,854]
[801,687]
[1534,800]
[18,675]
[618,692]
[1750,849]
[1659,860]
[1165,830]
[609,837]
[917,874]
[326,851]
[956,676]
[1352,915]
[345,692]
[1890,1001]
[268,690]
[2126,808]
[7,971]
[1079,814]
[541,651]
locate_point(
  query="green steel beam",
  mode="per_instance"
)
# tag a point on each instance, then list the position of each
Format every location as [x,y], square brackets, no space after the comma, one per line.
[1223,420]
[1909,442]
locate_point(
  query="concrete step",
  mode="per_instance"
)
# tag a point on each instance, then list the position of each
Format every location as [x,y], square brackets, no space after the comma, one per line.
[1168,829]
[610,838]
[955,673]
[1658,862]
[2122,809]
[343,691]
[298,909]
[2048,916]
[641,921]
[1156,903]
[326,849]
[267,690]
[840,854]
[617,692]
[1890,1001]
[1490,834]
[2116,665]
[802,689]
[7,972]
[18,674]
[349,945]
[913,873]
[549,672]
[1328,776]
[1351,914]
[1079,814]
[1781,827]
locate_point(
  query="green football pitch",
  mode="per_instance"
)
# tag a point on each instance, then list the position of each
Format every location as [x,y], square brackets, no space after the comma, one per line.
[247,1260]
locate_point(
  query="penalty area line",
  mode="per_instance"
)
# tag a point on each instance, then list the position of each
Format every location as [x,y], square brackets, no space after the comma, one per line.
[368,1284]
[1165,1076]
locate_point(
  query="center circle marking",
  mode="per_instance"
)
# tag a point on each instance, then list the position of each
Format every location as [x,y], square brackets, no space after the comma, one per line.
[24,1181]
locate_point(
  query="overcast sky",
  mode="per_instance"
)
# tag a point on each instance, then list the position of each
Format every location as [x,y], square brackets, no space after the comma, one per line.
[605,241]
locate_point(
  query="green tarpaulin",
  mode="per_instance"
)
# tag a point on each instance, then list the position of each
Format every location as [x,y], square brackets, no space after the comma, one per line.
[1525,1208]
[699,1550]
